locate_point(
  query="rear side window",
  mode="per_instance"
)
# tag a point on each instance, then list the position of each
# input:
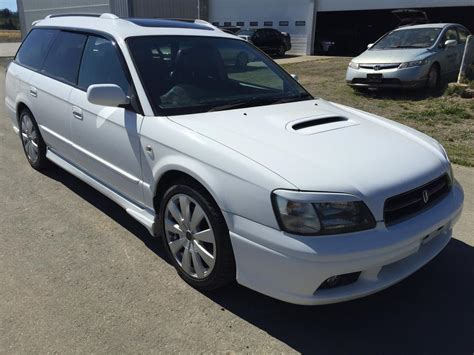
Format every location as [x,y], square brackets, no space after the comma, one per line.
[64,58]
[34,49]
[101,65]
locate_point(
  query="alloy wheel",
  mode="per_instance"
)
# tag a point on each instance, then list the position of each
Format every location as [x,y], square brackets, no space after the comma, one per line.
[190,236]
[29,137]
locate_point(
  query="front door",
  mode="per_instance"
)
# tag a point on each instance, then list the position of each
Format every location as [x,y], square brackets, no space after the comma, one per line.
[106,138]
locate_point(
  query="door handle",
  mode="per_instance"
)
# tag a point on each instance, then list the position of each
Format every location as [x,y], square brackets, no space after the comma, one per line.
[77,113]
[33,91]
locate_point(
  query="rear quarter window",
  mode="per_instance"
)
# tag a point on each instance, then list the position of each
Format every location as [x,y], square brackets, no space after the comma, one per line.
[35,47]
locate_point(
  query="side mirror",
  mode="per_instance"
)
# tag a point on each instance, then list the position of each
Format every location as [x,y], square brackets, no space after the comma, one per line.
[450,43]
[370,45]
[294,76]
[107,95]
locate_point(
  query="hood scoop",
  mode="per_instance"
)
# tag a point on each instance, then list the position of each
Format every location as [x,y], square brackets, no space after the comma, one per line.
[319,124]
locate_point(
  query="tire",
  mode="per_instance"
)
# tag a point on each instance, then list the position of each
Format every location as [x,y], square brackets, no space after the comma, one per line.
[32,142]
[191,255]
[242,60]
[433,80]
[281,51]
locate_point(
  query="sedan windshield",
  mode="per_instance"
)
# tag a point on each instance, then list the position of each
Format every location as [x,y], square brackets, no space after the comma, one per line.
[409,38]
[245,32]
[189,74]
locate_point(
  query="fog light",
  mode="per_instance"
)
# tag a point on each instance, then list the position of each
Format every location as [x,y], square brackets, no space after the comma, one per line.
[340,280]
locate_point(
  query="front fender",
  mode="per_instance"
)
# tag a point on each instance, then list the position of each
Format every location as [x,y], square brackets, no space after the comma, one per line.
[237,184]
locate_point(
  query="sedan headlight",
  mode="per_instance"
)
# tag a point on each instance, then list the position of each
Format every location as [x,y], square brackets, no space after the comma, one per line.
[321,218]
[354,65]
[416,63]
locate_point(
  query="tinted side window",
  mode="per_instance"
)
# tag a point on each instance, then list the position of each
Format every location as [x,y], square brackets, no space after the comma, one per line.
[64,57]
[35,48]
[451,34]
[101,65]
[463,34]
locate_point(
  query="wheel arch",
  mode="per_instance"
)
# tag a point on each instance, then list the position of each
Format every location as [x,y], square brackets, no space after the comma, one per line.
[20,107]
[175,173]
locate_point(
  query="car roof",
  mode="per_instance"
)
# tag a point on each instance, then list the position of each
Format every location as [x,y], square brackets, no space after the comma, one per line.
[429,25]
[122,28]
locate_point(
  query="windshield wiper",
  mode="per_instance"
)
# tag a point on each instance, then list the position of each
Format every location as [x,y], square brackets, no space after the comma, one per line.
[407,47]
[261,101]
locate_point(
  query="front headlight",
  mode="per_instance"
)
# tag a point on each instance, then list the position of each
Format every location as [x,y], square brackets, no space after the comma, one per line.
[416,63]
[450,171]
[321,218]
[354,65]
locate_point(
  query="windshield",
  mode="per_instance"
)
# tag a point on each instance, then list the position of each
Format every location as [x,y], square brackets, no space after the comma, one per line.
[246,32]
[409,38]
[189,74]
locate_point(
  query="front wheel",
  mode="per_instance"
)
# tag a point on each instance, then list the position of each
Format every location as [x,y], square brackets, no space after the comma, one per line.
[432,83]
[196,237]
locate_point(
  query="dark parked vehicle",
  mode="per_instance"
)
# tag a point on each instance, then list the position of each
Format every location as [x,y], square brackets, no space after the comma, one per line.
[269,40]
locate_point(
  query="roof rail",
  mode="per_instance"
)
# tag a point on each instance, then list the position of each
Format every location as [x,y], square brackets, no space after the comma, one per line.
[104,16]
[208,24]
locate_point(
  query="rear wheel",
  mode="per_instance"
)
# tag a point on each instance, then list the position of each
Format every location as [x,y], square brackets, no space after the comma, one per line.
[196,237]
[33,144]
[242,60]
[281,51]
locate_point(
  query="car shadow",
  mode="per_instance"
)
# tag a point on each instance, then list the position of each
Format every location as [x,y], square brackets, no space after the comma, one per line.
[404,94]
[431,312]
[107,206]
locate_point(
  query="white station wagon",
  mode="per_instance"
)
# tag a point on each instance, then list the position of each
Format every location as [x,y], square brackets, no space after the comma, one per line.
[243,173]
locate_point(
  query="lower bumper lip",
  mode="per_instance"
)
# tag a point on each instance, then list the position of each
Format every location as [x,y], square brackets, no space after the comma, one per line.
[268,260]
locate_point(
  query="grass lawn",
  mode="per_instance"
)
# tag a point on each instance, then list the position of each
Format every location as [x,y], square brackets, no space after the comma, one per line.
[450,120]
[10,36]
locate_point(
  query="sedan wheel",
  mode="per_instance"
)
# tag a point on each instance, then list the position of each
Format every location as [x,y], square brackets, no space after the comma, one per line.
[190,236]
[433,78]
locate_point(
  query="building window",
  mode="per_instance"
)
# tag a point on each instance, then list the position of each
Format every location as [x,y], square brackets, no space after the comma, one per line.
[240,24]
[227,24]
[283,23]
[253,23]
[268,23]
[215,23]
[300,23]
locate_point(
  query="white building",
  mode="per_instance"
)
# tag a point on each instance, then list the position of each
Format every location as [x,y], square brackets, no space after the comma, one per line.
[350,23]
[303,19]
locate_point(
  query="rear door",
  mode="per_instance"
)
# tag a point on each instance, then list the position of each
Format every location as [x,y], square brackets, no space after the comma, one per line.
[51,87]
[106,138]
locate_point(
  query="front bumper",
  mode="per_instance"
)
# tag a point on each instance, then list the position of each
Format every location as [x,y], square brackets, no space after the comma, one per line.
[292,268]
[409,78]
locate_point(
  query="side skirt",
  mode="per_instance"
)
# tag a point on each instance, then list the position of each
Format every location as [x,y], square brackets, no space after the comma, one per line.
[144,216]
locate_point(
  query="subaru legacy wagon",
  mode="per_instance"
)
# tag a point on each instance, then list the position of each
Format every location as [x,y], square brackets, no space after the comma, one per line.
[243,174]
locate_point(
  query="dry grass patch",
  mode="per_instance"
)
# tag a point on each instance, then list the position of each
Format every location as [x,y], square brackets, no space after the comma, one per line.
[448,119]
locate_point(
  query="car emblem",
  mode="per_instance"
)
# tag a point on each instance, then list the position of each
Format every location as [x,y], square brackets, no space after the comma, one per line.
[426,196]
[376,67]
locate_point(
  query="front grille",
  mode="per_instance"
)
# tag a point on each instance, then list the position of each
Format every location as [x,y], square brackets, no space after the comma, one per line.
[382,81]
[379,66]
[401,207]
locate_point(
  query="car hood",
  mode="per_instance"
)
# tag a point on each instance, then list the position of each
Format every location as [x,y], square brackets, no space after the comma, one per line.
[387,56]
[333,149]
